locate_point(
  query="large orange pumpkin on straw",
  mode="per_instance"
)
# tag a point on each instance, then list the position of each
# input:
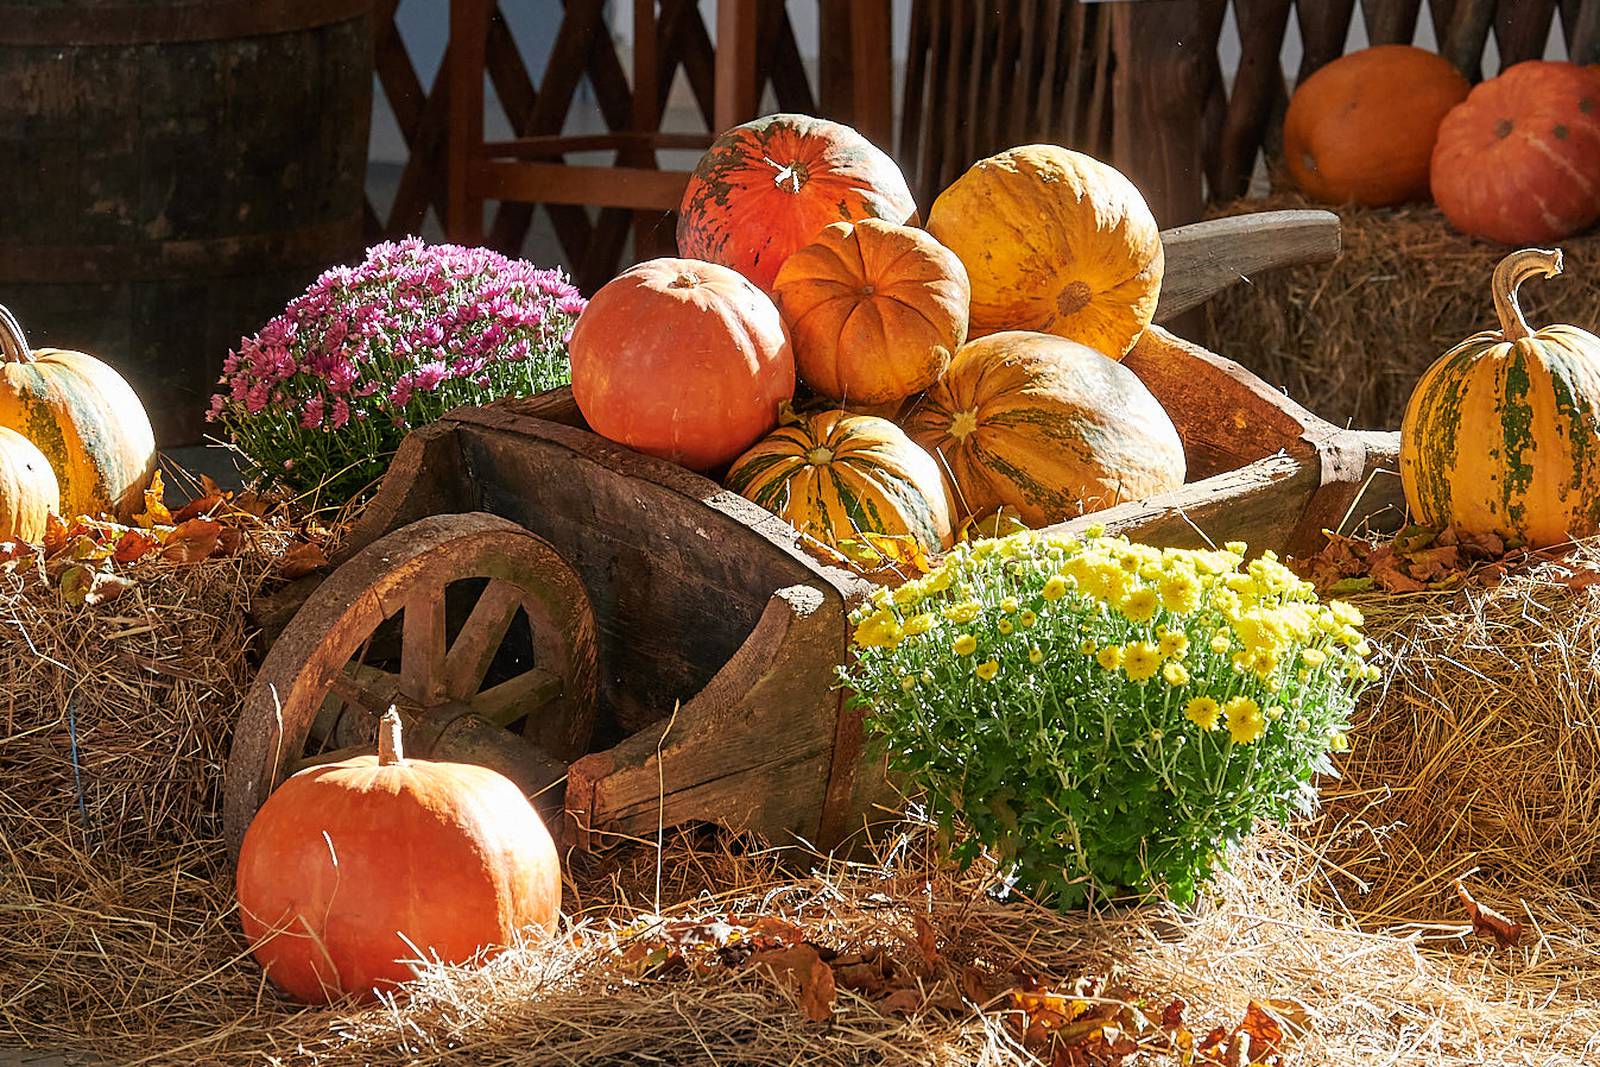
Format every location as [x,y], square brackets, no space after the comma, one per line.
[1362,128]
[1518,161]
[766,189]
[874,310]
[681,359]
[352,868]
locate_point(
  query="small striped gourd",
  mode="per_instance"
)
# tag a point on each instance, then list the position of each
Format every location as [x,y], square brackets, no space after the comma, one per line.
[1502,433]
[1045,426]
[85,419]
[835,476]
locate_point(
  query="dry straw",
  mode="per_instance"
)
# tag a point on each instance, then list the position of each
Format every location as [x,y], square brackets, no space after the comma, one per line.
[1349,339]
[1476,760]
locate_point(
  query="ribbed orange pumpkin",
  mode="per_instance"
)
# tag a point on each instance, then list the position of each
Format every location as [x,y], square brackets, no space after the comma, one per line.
[765,190]
[85,419]
[28,491]
[683,360]
[874,310]
[1361,129]
[1519,160]
[1056,241]
[351,867]
[835,476]
[1046,426]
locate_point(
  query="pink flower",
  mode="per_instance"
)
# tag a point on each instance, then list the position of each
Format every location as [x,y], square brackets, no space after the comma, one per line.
[215,411]
[311,418]
[571,305]
[341,414]
[400,395]
[428,376]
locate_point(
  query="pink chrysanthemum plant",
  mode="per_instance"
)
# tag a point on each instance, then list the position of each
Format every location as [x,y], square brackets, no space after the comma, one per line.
[323,395]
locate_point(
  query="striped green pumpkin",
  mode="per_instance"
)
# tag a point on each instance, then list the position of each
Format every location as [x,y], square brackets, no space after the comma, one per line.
[835,476]
[1502,433]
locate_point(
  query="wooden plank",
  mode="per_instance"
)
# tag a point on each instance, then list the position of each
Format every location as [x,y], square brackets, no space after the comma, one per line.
[872,71]
[835,94]
[557,183]
[1257,88]
[475,646]
[422,648]
[1521,28]
[1465,35]
[516,697]
[1156,139]
[1583,39]
[546,146]
[785,67]
[463,76]
[1204,258]
[736,99]
[1390,21]
[1324,27]
[918,46]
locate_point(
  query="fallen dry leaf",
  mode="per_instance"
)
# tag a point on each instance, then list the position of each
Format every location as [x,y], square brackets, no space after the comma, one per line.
[1258,1040]
[192,541]
[801,968]
[80,585]
[903,1001]
[207,505]
[134,545]
[155,511]
[1487,921]
[303,558]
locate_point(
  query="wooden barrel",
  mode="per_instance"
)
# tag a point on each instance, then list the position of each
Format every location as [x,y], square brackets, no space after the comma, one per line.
[172,172]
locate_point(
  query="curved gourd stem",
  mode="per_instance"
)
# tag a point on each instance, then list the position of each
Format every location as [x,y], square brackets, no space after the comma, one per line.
[391,748]
[1515,269]
[13,342]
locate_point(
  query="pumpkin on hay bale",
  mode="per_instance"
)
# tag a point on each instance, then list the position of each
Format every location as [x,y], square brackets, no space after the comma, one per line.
[1350,339]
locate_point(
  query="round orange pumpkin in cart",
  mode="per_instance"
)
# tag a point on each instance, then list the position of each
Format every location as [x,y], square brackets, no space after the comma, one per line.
[681,359]
[352,868]
[874,310]
[766,188]
[1518,161]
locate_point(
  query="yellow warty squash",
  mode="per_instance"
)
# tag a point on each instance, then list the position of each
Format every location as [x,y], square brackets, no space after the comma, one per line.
[1053,241]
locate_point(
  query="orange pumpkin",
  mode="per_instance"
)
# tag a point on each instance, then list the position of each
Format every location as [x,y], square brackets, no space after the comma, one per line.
[1046,427]
[84,417]
[1055,241]
[874,310]
[1361,129]
[351,867]
[765,190]
[683,360]
[1517,161]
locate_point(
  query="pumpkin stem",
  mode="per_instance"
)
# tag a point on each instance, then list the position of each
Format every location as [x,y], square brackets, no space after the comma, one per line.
[1515,269]
[391,747]
[13,342]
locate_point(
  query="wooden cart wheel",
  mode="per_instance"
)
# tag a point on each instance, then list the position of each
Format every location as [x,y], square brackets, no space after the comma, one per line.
[469,624]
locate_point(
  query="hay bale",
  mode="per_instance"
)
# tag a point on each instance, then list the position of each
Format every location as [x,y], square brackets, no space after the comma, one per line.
[1479,756]
[1349,339]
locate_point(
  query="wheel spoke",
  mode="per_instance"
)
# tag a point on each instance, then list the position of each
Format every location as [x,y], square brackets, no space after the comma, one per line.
[510,700]
[422,648]
[475,646]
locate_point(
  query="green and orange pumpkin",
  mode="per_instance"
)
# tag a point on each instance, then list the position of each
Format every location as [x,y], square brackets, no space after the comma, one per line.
[1502,434]
[84,417]
[351,868]
[1046,427]
[835,476]
[765,189]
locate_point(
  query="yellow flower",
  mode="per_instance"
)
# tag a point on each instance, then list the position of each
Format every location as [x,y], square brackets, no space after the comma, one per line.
[964,645]
[880,630]
[1174,644]
[987,669]
[1220,643]
[1348,614]
[1275,712]
[920,624]
[1140,605]
[1035,655]
[1226,601]
[1238,548]
[1180,592]
[1313,657]
[1264,662]
[1109,657]
[1027,619]
[1087,646]
[908,683]
[1203,712]
[1371,673]
[1141,660]
[1175,674]
[1338,741]
[963,612]
[1245,721]
[1009,605]
[1055,587]
[908,595]
[938,580]
[1004,626]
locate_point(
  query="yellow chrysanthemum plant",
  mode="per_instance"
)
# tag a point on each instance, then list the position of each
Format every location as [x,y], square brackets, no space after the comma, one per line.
[1106,718]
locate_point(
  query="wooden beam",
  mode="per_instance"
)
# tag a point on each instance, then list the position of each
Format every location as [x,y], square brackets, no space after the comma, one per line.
[555,183]
[463,74]
[736,99]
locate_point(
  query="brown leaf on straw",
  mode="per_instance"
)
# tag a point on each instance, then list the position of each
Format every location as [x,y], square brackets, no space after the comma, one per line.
[903,1001]
[802,969]
[192,541]
[155,511]
[926,942]
[55,534]
[302,559]
[207,505]
[80,585]
[1257,1040]
[134,545]
[1487,921]
[1387,572]
[1582,578]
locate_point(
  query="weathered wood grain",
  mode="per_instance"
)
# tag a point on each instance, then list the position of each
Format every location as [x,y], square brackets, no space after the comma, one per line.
[1204,258]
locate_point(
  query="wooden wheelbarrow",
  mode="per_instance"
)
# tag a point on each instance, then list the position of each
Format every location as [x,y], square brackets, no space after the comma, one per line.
[637,647]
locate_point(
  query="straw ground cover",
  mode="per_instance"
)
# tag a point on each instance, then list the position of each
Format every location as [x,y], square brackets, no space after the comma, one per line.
[1349,339]
[1474,758]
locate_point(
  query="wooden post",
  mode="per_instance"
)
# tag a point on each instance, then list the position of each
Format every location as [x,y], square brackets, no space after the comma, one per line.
[872,71]
[1160,77]
[463,69]
[736,99]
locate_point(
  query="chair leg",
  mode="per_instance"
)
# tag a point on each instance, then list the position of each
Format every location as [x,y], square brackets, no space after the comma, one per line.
[464,67]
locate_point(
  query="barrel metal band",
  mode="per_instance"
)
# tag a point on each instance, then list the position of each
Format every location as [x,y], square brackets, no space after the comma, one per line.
[143,22]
